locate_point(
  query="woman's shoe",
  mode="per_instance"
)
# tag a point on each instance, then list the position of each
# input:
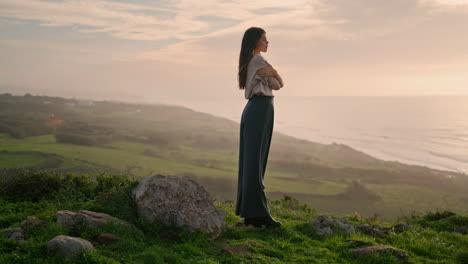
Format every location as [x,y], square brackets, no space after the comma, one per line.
[273,223]
[266,221]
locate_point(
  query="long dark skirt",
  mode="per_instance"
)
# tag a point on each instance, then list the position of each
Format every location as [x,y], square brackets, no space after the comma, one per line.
[256,129]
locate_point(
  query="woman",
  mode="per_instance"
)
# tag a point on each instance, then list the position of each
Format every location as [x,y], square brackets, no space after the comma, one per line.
[258,78]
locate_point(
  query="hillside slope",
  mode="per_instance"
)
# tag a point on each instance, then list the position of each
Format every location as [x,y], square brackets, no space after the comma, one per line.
[429,238]
[141,140]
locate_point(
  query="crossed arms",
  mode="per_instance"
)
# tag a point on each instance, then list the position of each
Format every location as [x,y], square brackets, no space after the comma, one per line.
[269,71]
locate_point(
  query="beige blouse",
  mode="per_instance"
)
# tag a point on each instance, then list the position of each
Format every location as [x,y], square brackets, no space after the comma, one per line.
[256,84]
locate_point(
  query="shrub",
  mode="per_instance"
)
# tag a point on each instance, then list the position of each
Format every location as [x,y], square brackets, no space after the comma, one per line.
[431,216]
[443,221]
[40,184]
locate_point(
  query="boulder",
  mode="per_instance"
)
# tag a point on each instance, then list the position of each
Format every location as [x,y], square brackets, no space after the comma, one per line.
[68,247]
[369,250]
[178,201]
[91,219]
[32,221]
[14,234]
[325,225]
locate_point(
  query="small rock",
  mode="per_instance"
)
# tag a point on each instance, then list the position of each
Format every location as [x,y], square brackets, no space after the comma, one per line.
[91,219]
[325,225]
[374,230]
[237,250]
[107,239]
[14,234]
[68,247]
[32,221]
[368,250]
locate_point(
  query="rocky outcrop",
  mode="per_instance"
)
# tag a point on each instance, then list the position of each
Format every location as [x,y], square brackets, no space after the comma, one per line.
[325,225]
[91,219]
[180,201]
[374,230]
[369,250]
[14,234]
[32,221]
[68,247]
[381,231]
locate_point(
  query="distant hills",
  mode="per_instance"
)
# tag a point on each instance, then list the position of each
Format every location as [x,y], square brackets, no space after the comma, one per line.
[143,139]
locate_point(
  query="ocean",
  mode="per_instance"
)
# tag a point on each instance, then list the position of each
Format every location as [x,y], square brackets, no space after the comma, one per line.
[423,130]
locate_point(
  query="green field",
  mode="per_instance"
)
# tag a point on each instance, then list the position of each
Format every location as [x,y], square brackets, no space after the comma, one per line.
[14,159]
[143,140]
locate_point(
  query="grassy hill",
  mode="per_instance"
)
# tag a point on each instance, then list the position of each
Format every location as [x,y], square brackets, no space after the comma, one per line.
[41,193]
[141,140]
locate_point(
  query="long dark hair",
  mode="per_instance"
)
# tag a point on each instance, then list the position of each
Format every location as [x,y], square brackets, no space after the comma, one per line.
[249,43]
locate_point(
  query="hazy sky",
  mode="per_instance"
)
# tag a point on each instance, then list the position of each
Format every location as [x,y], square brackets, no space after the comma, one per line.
[158,50]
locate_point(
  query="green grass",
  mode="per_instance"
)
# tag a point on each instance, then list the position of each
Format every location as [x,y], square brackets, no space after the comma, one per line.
[412,198]
[181,160]
[130,158]
[107,157]
[12,160]
[429,241]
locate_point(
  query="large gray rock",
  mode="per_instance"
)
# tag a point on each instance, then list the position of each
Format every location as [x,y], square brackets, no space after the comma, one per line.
[180,201]
[68,247]
[325,225]
[14,234]
[91,219]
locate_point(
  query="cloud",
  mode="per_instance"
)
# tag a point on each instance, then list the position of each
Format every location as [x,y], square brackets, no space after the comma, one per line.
[447,2]
[182,19]
[329,43]
[193,24]
[317,34]
[121,20]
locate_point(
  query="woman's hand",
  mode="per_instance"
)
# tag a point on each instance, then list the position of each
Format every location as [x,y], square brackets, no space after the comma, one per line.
[267,71]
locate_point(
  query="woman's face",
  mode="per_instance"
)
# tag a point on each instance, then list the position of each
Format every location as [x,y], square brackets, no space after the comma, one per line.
[262,44]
